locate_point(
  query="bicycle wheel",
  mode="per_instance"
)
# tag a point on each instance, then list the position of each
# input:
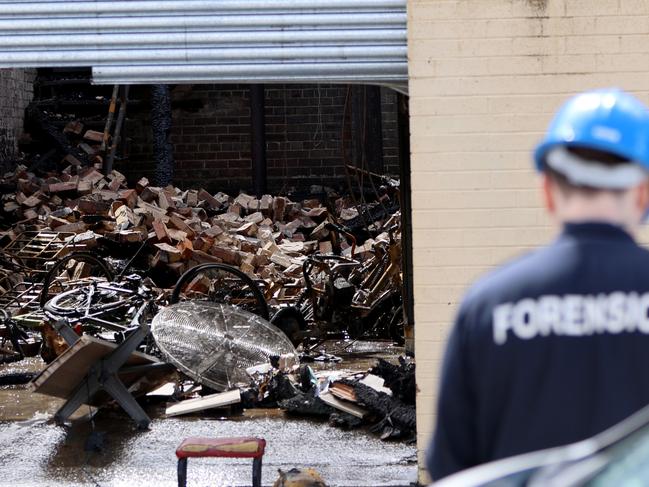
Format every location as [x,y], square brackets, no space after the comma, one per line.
[90,300]
[291,321]
[221,283]
[71,268]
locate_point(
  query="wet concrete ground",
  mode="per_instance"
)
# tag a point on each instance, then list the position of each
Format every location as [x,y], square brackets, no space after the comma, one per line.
[37,452]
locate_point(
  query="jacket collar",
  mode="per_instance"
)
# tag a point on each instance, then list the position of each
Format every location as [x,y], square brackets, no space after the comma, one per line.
[596,230]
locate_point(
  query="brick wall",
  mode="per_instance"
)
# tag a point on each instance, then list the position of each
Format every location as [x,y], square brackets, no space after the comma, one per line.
[211,136]
[16,91]
[485,78]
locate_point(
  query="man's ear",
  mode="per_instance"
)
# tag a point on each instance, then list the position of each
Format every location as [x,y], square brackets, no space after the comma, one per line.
[547,189]
[642,197]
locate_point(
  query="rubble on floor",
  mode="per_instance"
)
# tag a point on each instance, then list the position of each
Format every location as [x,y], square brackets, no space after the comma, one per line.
[309,266]
[211,401]
[349,401]
[267,237]
[300,271]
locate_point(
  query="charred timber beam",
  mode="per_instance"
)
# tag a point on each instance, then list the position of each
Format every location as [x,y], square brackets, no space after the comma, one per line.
[163,151]
[117,136]
[405,196]
[258,139]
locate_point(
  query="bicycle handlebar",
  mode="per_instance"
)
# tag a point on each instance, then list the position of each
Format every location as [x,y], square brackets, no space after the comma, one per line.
[343,231]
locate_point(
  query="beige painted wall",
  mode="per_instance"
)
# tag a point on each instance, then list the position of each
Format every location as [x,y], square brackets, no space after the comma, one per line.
[485,78]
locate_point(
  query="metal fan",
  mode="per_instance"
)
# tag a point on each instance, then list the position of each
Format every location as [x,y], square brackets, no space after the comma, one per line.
[215,343]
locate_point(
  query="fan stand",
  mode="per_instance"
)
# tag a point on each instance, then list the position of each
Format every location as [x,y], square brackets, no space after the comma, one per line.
[103,375]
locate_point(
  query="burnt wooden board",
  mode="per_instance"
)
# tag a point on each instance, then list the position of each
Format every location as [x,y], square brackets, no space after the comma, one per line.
[68,370]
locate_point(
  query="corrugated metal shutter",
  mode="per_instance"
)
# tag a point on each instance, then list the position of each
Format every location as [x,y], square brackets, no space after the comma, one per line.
[193,41]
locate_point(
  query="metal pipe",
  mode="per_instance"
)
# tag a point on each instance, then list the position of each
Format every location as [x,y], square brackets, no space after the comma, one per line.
[66,7]
[139,40]
[399,85]
[357,79]
[258,139]
[57,58]
[377,71]
[185,22]
[396,84]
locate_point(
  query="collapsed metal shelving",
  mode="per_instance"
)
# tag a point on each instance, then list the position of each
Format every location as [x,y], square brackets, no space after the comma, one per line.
[34,250]
[30,254]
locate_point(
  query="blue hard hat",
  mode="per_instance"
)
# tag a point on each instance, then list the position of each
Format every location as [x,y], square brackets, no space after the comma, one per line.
[608,120]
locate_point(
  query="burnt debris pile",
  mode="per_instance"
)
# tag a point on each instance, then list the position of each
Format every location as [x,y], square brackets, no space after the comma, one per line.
[349,401]
[95,269]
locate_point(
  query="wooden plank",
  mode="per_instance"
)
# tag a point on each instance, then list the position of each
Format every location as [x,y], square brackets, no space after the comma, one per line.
[81,270]
[343,391]
[347,407]
[202,403]
[377,383]
[167,390]
[65,373]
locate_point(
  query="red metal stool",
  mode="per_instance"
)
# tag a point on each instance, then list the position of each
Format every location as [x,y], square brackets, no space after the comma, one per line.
[223,448]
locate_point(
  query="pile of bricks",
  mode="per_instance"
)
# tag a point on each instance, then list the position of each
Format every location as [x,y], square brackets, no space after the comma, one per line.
[267,237]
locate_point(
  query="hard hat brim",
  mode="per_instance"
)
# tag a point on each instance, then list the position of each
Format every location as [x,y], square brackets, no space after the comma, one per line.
[541,150]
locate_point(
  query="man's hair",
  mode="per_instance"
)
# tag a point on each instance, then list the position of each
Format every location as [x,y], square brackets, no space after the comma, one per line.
[587,155]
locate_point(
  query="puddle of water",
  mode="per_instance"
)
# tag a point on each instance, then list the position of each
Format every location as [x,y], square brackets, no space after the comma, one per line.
[37,452]
[357,356]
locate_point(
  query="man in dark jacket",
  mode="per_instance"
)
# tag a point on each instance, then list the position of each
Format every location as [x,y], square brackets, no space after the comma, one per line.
[554,347]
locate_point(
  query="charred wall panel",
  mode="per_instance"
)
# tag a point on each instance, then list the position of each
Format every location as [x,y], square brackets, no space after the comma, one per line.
[16,91]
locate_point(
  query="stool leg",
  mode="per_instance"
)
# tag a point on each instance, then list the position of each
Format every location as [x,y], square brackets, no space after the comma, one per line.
[256,472]
[182,472]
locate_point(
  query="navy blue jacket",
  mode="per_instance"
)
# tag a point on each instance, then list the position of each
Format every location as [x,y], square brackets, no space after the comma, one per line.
[547,350]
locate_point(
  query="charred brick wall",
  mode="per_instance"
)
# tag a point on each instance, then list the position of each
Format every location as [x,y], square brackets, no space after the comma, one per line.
[16,91]
[211,136]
